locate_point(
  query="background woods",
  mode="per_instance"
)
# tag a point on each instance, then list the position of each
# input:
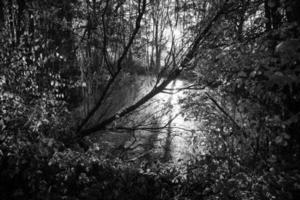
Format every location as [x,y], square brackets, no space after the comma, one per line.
[148,99]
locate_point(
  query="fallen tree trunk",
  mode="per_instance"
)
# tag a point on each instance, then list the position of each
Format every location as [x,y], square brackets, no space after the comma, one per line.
[192,51]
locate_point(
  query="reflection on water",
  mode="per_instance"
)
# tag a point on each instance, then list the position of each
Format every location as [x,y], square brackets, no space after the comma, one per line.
[165,134]
[180,133]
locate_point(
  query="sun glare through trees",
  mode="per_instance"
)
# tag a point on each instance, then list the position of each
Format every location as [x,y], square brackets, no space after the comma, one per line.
[150,99]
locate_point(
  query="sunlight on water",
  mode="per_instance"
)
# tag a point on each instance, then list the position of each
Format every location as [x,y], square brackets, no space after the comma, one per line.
[173,141]
[181,132]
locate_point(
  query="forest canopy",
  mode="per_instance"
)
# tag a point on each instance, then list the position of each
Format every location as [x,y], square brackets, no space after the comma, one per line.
[82,83]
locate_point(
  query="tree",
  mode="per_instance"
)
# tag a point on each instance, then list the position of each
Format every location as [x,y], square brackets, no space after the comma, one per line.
[159,86]
[248,108]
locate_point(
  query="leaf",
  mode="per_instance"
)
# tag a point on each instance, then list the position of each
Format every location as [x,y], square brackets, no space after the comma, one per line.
[242,74]
[291,120]
[2,124]
[279,139]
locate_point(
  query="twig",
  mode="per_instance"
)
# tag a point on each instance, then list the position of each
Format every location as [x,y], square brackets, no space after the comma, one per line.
[223,111]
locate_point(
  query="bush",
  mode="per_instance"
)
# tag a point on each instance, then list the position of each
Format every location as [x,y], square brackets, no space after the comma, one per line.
[45,169]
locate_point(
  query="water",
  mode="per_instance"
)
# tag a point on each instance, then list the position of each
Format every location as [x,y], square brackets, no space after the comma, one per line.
[162,132]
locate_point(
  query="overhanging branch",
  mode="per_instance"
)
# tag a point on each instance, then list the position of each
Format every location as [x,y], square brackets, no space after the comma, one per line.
[192,51]
[119,67]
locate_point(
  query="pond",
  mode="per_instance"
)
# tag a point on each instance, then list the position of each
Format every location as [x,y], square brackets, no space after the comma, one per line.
[161,130]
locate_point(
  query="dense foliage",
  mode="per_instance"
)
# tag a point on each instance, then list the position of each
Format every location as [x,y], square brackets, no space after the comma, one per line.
[251,106]
[61,60]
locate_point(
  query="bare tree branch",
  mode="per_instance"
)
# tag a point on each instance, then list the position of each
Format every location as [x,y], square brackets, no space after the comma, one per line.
[119,66]
[223,111]
[173,75]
